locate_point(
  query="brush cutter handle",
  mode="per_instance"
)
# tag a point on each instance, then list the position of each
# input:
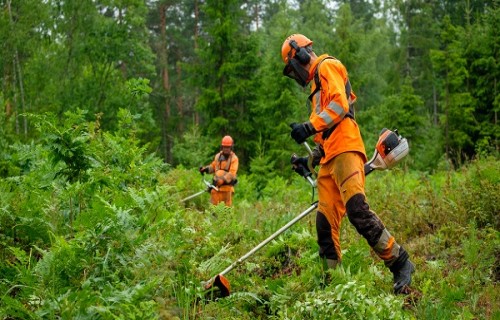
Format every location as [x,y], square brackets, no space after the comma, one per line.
[210,186]
[302,169]
[309,163]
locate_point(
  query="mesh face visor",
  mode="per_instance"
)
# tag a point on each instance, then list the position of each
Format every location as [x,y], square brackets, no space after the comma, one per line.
[295,71]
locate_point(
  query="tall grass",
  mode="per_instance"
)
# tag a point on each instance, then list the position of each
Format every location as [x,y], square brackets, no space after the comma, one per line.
[110,239]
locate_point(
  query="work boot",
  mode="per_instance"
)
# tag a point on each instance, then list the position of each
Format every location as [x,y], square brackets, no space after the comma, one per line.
[402,277]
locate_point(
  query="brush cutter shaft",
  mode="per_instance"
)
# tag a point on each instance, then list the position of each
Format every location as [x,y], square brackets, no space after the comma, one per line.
[194,195]
[270,238]
[311,181]
[368,168]
[311,168]
[209,187]
[308,148]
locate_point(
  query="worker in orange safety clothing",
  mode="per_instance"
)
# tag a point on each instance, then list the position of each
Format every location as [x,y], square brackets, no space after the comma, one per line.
[340,152]
[224,167]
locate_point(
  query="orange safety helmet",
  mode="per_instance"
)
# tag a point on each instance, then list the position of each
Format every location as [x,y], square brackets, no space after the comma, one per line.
[227,141]
[288,51]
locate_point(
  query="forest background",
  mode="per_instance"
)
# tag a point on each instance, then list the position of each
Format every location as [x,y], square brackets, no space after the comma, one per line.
[99,96]
[201,69]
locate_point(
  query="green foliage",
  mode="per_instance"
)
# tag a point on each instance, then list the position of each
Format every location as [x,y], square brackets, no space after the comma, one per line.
[459,107]
[483,72]
[347,301]
[225,74]
[194,149]
[139,87]
[8,165]
[262,172]
[68,146]
[404,111]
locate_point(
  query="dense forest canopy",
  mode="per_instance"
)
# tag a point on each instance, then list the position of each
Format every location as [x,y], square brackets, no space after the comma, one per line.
[192,71]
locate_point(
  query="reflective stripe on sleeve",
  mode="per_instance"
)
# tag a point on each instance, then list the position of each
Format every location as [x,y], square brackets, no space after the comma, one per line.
[335,107]
[324,115]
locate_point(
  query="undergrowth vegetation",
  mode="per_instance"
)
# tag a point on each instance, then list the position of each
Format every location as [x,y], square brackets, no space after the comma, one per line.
[93,227]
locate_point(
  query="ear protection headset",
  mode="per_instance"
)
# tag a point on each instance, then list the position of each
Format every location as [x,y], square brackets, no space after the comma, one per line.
[300,53]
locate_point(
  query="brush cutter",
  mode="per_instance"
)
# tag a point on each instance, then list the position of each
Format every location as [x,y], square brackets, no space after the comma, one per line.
[209,187]
[390,149]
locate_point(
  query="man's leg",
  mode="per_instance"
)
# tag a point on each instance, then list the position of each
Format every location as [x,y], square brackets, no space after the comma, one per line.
[215,197]
[329,217]
[350,178]
[227,197]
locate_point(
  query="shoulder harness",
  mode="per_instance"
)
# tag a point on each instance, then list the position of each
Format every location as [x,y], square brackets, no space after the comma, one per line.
[228,163]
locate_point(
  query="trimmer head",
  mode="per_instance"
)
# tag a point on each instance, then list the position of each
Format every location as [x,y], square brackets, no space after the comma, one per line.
[222,283]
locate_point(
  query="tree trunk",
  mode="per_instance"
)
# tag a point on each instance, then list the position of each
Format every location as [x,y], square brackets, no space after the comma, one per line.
[434,104]
[256,17]
[196,34]
[18,76]
[14,93]
[167,112]
[496,115]
[180,101]
[123,65]
[447,115]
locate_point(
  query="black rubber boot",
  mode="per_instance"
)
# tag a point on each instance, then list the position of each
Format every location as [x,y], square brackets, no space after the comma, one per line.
[402,277]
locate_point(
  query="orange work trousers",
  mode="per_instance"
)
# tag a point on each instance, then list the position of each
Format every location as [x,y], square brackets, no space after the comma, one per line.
[341,184]
[217,197]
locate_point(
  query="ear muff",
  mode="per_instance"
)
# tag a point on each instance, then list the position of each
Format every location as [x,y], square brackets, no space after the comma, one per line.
[301,54]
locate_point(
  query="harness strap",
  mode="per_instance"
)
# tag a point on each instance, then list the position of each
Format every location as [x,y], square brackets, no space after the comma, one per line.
[228,163]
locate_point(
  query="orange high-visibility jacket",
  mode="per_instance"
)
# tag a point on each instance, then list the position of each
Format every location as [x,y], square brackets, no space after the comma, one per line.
[330,105]
[229,165]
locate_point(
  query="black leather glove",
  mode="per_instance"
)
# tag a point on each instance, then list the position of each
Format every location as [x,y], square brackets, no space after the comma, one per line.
[299,165]
[301,131]
[203,170]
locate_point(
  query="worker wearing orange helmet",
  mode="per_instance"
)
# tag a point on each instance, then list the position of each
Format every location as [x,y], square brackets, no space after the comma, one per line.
[224,167]
[341,155]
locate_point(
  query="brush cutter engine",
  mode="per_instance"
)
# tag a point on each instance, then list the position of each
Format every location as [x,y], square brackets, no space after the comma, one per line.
[390,149]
